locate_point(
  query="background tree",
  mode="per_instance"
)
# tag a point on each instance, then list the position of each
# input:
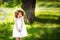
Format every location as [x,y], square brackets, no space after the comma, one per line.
[29,7]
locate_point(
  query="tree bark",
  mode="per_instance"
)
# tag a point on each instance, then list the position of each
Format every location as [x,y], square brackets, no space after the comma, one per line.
[29,7]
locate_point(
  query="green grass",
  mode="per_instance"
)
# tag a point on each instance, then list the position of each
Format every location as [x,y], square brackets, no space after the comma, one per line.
[49,4]
[46,27]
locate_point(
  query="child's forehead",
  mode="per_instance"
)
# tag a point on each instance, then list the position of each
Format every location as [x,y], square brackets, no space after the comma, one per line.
[19,13]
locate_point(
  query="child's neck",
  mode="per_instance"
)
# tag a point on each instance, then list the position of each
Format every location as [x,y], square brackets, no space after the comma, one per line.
[20,17]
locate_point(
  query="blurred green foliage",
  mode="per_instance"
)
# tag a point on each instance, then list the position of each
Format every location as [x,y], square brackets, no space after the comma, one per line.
[41,3]
[45,27]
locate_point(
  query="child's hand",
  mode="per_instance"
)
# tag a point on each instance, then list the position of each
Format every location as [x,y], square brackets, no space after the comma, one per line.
[19,30]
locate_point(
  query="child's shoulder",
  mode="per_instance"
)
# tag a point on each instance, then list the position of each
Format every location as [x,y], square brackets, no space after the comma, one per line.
[15,18]
[22,16]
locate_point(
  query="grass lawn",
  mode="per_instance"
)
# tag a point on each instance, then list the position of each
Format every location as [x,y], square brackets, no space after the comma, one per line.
[45,27]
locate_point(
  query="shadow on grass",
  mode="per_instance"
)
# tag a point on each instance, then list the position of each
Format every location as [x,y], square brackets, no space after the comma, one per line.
[37,33]
[44,34]
[48,20]
[6,31]
[34,33]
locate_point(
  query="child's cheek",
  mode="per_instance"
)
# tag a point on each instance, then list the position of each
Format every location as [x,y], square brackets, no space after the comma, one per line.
[20,15]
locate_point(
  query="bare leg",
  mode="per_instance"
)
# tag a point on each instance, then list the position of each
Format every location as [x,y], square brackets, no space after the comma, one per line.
[18,38]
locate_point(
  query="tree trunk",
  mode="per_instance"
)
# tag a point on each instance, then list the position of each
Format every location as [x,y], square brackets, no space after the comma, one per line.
[29,7]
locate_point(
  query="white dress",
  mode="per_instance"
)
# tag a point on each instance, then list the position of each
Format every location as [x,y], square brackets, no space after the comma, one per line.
[18,24]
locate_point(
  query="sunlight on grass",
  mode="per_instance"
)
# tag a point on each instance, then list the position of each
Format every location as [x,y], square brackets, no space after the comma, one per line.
[28,26]
[36,30]
[45,25]
[37,35]
[46,12]
[29,35]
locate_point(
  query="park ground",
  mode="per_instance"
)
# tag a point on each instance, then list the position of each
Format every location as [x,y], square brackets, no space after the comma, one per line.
[46,26]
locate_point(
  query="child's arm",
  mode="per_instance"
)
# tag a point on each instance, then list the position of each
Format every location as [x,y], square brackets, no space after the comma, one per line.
[22,22]
[17,26]
[16,23]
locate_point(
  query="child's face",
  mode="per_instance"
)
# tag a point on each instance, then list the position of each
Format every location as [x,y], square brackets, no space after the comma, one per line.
[19,15]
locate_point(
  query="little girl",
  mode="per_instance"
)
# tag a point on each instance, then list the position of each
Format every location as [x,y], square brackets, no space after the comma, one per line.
[19,29]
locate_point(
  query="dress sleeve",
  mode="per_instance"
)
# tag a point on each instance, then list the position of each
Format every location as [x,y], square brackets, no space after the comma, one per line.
[19,24]
[22,22]
[15,20]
